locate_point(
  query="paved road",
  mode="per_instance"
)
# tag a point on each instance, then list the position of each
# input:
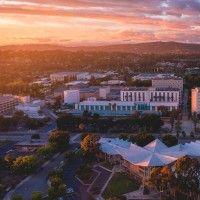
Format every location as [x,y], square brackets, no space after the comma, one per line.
[37,181]
[6,147]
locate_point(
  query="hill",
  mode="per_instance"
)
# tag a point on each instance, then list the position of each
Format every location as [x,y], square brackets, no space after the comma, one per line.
[139,48]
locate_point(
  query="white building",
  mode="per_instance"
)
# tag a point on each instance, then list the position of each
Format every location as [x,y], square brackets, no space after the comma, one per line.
[71,96]
[103,92]
[135,99]
[63,76]
[156,98]
[83,76]
[150,76]
[31,109]
[140,160]
[195,100]
[166,82]
[113,82]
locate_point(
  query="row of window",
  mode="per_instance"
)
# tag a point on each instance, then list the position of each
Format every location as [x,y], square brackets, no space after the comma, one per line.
[156,96]
[118,108]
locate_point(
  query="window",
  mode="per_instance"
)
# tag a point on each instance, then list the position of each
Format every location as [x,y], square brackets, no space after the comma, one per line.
[123,107]
[128,108]
[101,107]
[96,107]
[92,107]
[118,107]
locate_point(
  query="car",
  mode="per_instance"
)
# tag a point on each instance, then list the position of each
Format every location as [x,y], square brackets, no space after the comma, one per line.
[70,190]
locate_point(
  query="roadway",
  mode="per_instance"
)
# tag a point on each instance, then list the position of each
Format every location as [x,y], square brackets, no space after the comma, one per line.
[37,181]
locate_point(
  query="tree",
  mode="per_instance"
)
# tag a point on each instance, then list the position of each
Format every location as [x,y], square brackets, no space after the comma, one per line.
[17,197]
[36,196]
[162,178]
[123,136]
[178,127]
[152,122]
[195,120]
[173,116]
[9,159]
[57,189]
[187,171]
[90,143]
[143,139]
[24,165]
[170,140]
[46,151]
[59,140]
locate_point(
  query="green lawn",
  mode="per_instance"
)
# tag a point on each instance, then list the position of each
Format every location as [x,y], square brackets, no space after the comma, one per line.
[120,184]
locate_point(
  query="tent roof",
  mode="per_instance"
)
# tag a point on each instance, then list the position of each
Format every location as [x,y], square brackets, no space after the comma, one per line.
[154,154]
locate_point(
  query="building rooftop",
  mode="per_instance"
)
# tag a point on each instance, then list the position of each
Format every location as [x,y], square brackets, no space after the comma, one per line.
[154,154]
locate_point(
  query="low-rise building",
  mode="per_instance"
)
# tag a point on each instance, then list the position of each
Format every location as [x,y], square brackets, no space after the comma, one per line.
[134,99]
[166,82]
[63,76]
[71,96]
[195,100]
[7,104]
[32,109]
[156,98]
[139,161]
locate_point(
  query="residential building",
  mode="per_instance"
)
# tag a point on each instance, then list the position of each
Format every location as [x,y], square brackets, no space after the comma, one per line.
[7,104]
[195,100]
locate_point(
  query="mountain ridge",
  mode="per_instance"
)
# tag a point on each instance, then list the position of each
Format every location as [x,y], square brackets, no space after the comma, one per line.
[138,48]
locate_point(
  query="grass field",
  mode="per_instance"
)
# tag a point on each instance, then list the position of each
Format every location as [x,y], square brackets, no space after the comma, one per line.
[120,184]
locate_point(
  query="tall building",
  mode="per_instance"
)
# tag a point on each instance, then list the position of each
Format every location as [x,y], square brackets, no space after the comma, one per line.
[7,103]
[195,100]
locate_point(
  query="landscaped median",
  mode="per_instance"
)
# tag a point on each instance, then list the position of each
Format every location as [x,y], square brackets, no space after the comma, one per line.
[120,184]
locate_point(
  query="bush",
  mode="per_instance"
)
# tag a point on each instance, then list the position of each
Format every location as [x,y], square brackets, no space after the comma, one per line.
[25,165]
[36,196]
[17,197]
[170,140]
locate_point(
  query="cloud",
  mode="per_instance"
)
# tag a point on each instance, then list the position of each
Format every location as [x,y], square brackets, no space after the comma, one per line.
[139,19]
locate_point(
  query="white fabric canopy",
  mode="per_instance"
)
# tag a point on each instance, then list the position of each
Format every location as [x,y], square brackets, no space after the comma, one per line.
[154,154]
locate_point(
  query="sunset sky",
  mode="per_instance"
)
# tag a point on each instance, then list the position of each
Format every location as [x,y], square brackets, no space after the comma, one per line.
[94,22]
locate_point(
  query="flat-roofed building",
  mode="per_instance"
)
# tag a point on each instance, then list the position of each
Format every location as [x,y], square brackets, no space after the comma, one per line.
[7,103]
[195,100]
[156,98]
[63,76]
[166,82]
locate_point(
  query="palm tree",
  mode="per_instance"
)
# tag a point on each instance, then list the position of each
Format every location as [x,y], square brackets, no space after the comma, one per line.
[178,127]
[195,120]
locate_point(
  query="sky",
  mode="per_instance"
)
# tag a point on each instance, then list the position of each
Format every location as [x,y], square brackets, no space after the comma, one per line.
[97,22]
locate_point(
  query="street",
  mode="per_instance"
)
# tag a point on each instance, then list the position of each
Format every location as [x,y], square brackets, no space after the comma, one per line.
[37,181]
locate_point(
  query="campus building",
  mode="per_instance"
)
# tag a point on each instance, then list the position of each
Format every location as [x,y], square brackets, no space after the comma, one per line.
[139,161]
[134,99]
[166,82]
[7,104]
[63,76]
[195,100]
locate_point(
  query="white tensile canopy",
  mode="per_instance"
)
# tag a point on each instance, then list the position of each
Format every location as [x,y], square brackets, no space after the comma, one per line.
[154,154]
